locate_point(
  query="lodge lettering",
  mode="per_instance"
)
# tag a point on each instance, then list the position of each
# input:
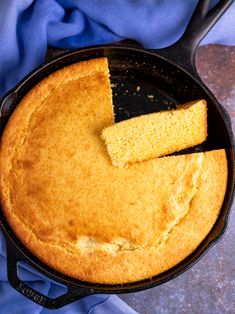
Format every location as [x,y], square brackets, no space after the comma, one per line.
[31,294]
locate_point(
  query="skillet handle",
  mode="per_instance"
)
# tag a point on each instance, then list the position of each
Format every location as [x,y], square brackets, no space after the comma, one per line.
[70,296]
[183,51]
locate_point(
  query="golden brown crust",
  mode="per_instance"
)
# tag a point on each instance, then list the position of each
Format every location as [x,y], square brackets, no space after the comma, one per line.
[79,214]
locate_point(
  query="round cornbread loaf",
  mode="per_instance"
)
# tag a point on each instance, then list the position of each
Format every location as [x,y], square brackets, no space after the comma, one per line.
[78,213]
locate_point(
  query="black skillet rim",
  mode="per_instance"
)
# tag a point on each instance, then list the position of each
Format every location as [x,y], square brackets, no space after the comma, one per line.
[212,238]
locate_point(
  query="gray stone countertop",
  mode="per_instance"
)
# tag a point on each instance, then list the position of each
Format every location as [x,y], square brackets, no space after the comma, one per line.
[209,286]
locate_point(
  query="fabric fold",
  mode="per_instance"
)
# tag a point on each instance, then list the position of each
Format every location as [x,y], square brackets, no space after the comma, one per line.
[28,27]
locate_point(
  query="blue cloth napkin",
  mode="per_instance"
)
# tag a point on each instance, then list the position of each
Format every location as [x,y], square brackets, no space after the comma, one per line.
[27,27]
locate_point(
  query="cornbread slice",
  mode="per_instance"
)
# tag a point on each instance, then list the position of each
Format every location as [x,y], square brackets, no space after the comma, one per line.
[157,134]
[80,215]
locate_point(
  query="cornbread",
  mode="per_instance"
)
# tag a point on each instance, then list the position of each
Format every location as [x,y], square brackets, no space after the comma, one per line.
[156,134]
[78,213]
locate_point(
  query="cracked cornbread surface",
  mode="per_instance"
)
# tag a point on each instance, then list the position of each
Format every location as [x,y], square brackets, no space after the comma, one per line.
[81,215]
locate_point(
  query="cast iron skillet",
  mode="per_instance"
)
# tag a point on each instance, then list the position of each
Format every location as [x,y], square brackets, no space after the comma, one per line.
[166,77]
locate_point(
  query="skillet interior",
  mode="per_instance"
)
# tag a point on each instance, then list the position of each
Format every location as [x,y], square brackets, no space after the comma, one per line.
[143,83]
